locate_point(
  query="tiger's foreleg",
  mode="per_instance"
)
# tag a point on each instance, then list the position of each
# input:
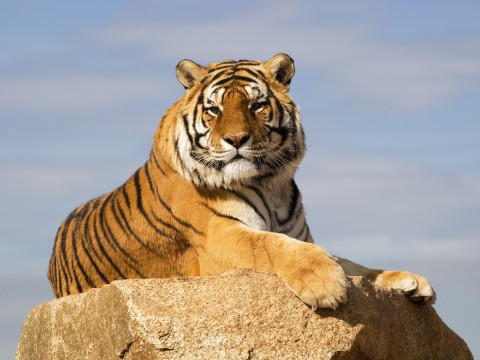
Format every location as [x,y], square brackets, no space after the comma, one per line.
[415,287]
[307,269]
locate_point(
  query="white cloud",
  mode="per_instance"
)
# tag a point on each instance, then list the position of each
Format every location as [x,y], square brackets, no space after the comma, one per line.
[380,207]
[347,58]
[448,248]
[350,59]
[25,181]
[76,91]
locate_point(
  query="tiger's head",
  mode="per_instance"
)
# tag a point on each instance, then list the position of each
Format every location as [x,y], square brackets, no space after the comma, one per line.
[236,123]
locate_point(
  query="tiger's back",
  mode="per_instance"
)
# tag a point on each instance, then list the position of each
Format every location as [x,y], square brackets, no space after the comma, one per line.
[121,235]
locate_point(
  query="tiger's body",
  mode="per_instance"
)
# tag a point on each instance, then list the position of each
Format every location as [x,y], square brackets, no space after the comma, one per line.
[216,193]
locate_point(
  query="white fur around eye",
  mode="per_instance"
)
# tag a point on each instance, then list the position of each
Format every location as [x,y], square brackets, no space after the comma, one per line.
[217,95]
[203,141]
[252,91]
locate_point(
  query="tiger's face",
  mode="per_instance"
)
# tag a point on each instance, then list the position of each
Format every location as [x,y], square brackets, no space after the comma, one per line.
[238,123]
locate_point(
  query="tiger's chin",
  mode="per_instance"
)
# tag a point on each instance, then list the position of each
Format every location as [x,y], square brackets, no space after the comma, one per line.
[239,171]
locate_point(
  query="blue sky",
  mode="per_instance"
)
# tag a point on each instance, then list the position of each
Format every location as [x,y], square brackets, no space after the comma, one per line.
[388,92]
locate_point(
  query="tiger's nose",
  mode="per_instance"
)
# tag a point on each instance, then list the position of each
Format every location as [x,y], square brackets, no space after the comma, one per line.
[237,140]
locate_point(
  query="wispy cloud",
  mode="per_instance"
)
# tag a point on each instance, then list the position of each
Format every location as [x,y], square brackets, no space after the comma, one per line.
[341,49]
[354,60]
[381,206]
[58,92]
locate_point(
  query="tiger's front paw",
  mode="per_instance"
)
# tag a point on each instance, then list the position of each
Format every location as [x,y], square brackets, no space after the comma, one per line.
[415,287]
[315,278]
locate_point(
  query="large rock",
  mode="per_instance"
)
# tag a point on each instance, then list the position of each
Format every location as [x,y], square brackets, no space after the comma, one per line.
[239,315]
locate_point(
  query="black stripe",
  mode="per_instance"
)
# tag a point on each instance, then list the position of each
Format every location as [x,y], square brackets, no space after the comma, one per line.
[119,223]
[97,228]
[54,265]
[125,195]
[283,132]
[293,221]
[204,124]
[197,175]
[97,269]
[82,210]
[58,276]
[106,225]
[250,203]
[157,164]
[221,73]
[266,175]
[270,115]
[262,197]
[225,216]
[280,110]
[187,129]
[134,234]
[177,150]
[255,73]
[292,206]
[78,265]
[223,81]
[63,240]
[142,209]
[87,240]
[66,281]
[199,135]
[303,232]
[244,78]
[111,238]
[247,62]
[91,219]
[199,103]
[154,189]
[53,273]
[181,243]
[223,65]
[293,117]
[95,237]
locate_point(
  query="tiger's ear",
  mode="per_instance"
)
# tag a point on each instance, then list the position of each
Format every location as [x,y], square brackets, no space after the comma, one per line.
[190,73]
[282,68]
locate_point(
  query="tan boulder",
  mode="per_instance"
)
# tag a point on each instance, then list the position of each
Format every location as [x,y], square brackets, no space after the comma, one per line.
[239,315]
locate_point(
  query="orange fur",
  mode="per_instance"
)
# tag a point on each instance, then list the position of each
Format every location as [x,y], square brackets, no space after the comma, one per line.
[216,193]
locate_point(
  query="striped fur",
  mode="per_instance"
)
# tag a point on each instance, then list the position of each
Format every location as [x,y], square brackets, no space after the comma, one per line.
[216,193]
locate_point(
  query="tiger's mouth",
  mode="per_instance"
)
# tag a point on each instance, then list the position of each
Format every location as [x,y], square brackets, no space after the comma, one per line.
[257,161]
[211,160]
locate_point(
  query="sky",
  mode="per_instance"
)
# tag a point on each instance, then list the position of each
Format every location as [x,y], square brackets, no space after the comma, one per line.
[388,93]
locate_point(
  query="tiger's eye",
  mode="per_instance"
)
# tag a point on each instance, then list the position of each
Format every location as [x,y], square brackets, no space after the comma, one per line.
[258,106]
[213,111]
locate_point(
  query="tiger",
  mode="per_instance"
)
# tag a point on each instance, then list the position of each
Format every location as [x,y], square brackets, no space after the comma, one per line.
[216,193]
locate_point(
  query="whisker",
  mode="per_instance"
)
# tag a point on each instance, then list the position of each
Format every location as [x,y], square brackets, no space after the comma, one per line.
[273,155]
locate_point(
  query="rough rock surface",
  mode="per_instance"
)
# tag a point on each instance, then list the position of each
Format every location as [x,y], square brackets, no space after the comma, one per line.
[239,315]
